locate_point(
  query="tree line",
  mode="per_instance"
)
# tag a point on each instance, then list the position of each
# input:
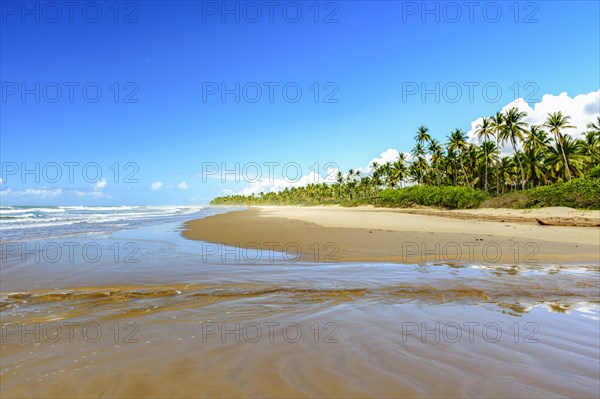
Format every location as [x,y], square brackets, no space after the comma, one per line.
[542,155]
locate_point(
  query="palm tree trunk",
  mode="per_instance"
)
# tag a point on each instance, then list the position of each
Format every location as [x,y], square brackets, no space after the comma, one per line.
[486,168]
[564,156]
[497,166]
[465,172]
[520,165]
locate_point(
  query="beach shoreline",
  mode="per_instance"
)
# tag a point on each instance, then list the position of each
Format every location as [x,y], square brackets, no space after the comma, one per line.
[326,234]
[183,309]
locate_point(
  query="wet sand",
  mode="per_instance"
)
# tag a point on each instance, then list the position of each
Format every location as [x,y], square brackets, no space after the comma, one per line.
[442,332]
[333,234]
[426,332]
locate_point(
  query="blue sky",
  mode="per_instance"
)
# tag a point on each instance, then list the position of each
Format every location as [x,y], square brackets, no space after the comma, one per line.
[161,67]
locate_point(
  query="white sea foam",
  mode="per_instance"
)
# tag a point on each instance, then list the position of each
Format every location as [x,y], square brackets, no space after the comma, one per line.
[31,222]
[13,211]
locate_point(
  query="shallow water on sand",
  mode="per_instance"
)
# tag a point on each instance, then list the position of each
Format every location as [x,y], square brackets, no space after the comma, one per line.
[157,315]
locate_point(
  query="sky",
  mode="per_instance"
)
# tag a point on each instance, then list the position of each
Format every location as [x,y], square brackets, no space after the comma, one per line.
[151,102]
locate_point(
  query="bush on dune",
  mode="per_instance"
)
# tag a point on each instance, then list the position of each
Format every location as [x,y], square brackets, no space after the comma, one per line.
[454,197]
[582,193]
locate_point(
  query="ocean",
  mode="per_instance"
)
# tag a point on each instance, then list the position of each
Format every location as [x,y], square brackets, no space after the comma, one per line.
[19,223]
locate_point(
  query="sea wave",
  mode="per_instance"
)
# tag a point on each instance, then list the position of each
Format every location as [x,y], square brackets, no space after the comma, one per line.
[24,223]
[13,211]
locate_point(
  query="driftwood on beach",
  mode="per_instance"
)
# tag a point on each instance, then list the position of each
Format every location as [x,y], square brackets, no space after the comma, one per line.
[575,222]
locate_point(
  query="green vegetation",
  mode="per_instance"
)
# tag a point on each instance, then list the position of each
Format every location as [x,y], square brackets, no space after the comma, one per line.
[583,193]
[447,196]
[547,168]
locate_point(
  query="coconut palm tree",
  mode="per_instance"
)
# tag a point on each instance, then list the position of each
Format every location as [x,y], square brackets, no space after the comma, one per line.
[435,149]
[591,146]
[594,126]
[535,170]
[474,159]
[419,150]
[514,130]
[506,169]
[592,141]
[536,138]
[417,169]
[490,154]
[398,171]
[386,172]
[566,159]
[483,133]
[339,179]
[375,177]
[457,142]
[422,136]
[555,123]
[497,122]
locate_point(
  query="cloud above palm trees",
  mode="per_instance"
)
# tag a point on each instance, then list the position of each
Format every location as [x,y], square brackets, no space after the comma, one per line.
[582,109]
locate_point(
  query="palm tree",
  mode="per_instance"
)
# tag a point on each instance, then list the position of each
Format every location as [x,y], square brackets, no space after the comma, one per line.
[419,150]
[435,149]
[594,126]
[496,123]
[536,138]
[567,158]
[376,177]
[398,171]
[339,179]
[591,146]
[592,140]
[422,136]
[484,131]
[386,169]
[490,152]
[555,123]
[534,166]
[418,168]
[514,129]
[475,158]
[457,141]
[506,169]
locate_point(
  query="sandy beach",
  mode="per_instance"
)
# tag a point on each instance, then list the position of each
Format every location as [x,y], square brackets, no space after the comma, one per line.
[336,234]
[187,311]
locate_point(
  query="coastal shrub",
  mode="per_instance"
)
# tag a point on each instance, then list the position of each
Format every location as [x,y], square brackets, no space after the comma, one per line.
[594,173]
[454,197]
[582,193]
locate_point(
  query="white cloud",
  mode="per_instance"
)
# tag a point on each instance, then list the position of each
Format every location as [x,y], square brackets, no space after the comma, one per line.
[156,185]
[183,186]
[32,192]
[267,185]
[582,109]
[100,184]
[91,194]
[389,155]
[1,181]
[276,185]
